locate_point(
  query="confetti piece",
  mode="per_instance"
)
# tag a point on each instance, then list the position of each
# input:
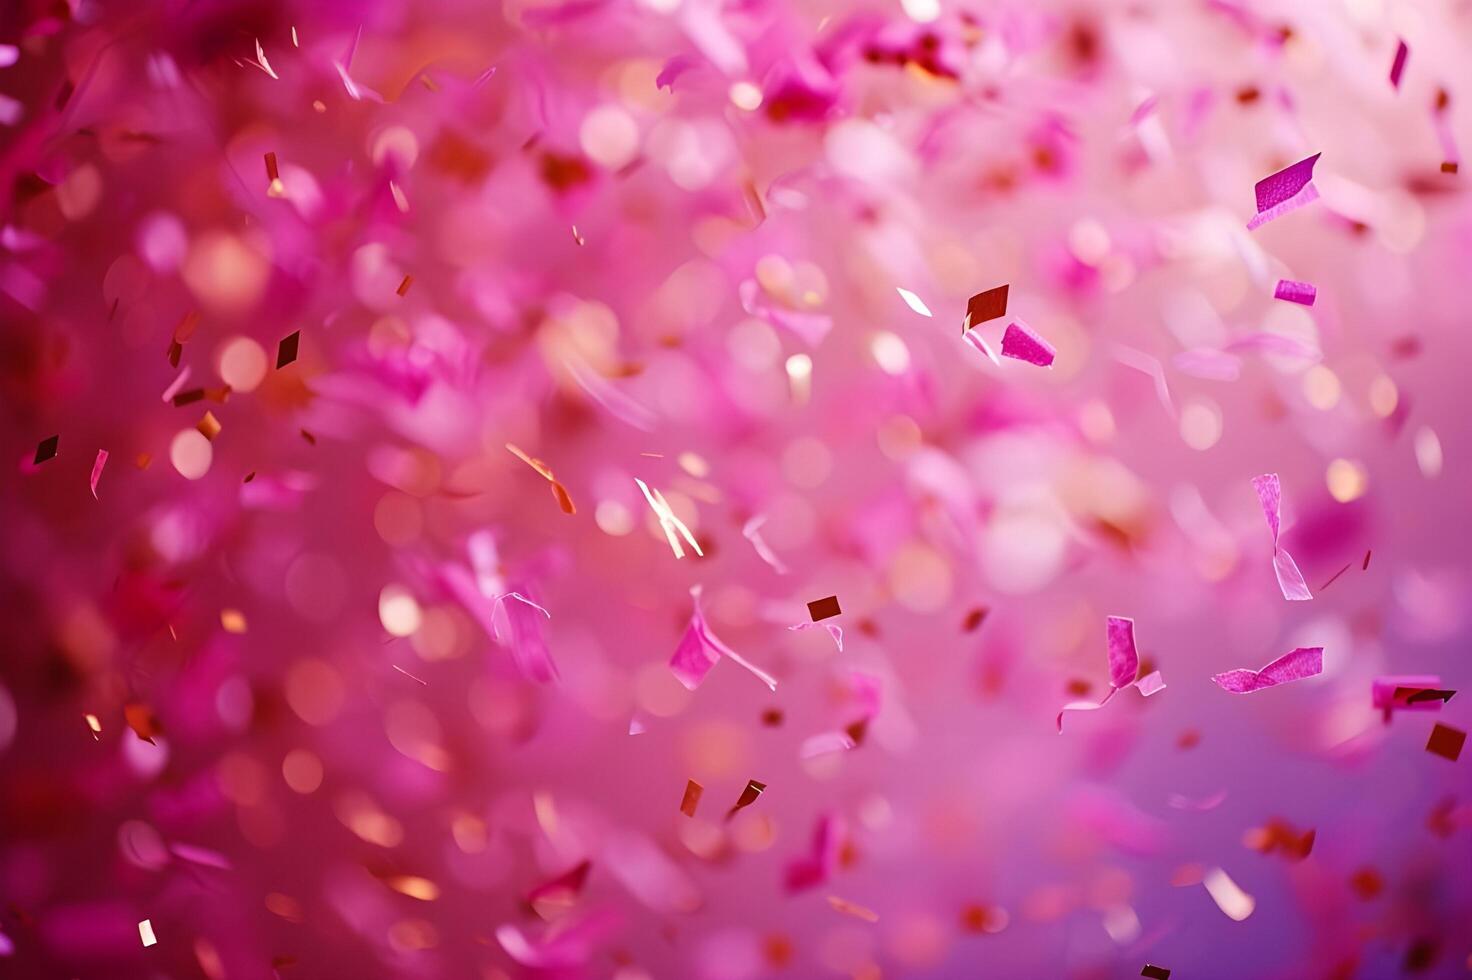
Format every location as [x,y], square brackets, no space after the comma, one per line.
[95,725]
[1302,293]
[825,608]
[1270,496]
[1155,972]
[1399,64]
[700,649]
[749,795]
[1408,692]
[668,522]
[559,492]
[986,306]
[522,620]
[1232,900]
[46,449]
[751,531]
[141,720]
[145,933]
[408,675]
[262,63]
[833,629]
[1335,577]
[232,621]
[274,186]
[975,339]
[691,799]
[852,908]
[1124,664]
[1285,191]
[1022,343]
[208,426]
[1292,666]
[404,286]
[286,350]
[913,302]
[821,861]
[1279,837]
[1446,742]
[97,466]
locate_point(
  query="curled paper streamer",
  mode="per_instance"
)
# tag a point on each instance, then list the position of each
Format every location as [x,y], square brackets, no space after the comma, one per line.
[700,650]
[1292,666]
[1290,579]
[1124,664]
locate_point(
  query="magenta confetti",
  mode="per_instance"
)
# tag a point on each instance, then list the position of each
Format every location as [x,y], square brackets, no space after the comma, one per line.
[1398,66]
[1270,496]
[1023,343]
[1303,293]
[1292,666]
[1124,664]
[1285,192]
[700,650]
[97,466]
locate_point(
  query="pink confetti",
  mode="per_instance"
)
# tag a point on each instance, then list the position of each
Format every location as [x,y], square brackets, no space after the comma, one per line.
[1285,192]
[834,630]
[751,531]
[1402,50]
[821,861]
[523,619]
[1024,344]
[1302,293]
[1293,666]
[1290,579]
[1408,692]
[1124,664]
[700,649]
[97,466]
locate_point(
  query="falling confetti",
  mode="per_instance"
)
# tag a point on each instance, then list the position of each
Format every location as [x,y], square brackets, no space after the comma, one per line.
[371,282]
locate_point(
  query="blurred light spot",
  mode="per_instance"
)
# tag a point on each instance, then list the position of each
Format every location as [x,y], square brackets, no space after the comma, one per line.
[398,610]
[1089,241]
[613,518]
[1428,452]
[302,771]
[1383,396]
[609,136]
[920,578]
[745,95]
[898,437]
[754,345]
[921,11]
[658,692]
[242,364]
[396,143]
[800,373]
[225,273]
[890,353]
[398,518]
[191,454]
[314,691]
[1347,479]
[1201,423]
[1321,387]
